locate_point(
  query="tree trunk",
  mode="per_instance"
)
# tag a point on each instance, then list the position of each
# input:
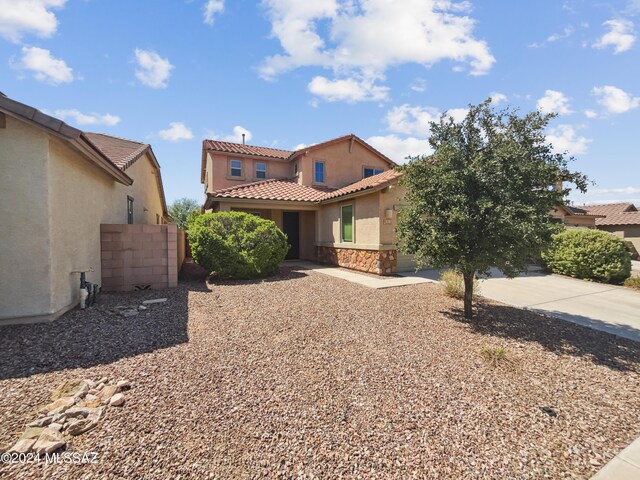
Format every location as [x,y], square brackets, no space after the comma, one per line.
[468,294]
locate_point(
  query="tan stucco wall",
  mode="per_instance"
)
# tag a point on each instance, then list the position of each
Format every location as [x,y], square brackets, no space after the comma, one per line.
[342,166]
[217,170]
[630,233]
[81,198]
[58,201]
[24,220]
[366,231]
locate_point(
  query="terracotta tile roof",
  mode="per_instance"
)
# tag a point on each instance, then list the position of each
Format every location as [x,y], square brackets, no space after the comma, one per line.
[365,184]
[273,189]
[609,209]
[120,151]
[579,211]
[240,148]
[624,218]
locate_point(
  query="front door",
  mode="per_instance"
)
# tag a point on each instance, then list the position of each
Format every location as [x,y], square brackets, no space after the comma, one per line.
[291,227]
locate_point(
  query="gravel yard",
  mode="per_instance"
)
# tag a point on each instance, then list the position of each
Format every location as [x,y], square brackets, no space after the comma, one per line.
[309,376]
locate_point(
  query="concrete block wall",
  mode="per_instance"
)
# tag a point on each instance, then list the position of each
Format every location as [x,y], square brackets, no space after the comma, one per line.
[137,256]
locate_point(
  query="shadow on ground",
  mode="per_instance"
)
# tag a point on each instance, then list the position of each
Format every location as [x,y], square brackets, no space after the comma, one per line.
[556,335]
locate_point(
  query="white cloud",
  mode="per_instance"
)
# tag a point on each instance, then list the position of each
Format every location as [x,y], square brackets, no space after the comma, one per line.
[44,67]
[235,136]
[620,36]
[22,17]
[615,100]
[80,118]
[299,146]
[211,8]
[590,113]
[348,90]
[554,102]
[615,191]
[177,131]
[365,38]
[411,120]
[497,98]
[153,70]
[564,138]
[567,32]
[458,114]
[397,149]
[419,85]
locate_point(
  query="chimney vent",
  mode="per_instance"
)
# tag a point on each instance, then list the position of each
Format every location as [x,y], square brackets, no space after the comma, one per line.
[243,138]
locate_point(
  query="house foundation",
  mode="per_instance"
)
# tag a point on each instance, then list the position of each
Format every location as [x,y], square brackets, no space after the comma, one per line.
[380,262]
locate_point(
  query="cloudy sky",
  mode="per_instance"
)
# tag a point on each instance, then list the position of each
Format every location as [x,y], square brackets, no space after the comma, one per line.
[293,72]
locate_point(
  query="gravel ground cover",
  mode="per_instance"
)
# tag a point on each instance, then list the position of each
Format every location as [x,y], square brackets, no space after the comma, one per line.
[308,376]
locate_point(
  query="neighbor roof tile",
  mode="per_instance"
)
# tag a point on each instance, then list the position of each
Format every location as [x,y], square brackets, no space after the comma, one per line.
[273,189]
[120,151]
[240,148]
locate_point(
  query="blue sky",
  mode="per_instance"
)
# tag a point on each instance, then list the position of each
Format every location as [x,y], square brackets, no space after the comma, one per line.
[292,72]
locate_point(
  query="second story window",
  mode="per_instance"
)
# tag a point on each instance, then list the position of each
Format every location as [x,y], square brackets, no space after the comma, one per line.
[261,170]
[370,172]
[235,168]
[318,172]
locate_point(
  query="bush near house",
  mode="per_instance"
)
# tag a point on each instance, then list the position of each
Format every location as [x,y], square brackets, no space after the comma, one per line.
[236,245]
[589,254]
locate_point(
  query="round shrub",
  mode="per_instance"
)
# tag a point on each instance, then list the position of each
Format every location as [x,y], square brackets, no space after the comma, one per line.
[589,254]
[237,245]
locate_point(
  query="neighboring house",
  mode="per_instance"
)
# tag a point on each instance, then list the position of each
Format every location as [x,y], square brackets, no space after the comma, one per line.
[337,201]
[575,217]
[621,219]
[58,185]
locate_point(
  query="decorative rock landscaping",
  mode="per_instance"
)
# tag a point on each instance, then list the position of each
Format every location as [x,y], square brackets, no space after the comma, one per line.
[76,407]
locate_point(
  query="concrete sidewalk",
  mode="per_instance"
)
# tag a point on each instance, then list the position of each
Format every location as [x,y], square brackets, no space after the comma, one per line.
[624,466]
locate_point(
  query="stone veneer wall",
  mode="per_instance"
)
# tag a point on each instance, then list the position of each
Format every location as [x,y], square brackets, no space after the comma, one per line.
[381,262]
[139,255]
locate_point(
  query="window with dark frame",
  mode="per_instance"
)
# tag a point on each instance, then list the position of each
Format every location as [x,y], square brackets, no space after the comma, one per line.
[129,210]
[157,219]
[235,168]
[370,172]
[261,171]
[318,172]
[346,223]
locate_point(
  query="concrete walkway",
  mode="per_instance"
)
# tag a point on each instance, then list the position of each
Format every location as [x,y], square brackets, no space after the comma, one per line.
[624,466]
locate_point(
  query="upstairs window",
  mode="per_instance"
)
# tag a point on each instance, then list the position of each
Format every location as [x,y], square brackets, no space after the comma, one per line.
[129,210]
[370,171]
[235,168]
[318,172]
[261,170]
[346,224]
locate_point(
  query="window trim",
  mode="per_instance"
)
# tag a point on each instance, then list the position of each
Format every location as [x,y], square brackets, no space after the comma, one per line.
[255,171]
[130,201]
[353,223]
[369,167]
[324,172]
[230,168]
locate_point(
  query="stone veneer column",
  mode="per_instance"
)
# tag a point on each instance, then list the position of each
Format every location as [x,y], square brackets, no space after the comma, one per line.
[380,262]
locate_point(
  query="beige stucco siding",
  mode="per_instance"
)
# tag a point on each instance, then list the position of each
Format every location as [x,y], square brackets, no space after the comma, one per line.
[217,170]
[24,235]
[630,233]
[366,231]
[344,163]
[145,192]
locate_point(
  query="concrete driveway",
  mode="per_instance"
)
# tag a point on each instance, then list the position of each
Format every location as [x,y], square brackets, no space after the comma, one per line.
[603,307]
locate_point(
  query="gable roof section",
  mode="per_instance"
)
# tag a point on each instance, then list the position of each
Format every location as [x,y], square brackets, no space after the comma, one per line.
[610,209]
[122,152]
[380,180]
[624,218]
[351,137]
[290,191]
[74,137]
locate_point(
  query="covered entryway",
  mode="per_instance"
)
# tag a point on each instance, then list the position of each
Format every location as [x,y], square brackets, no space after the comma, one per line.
[291,228]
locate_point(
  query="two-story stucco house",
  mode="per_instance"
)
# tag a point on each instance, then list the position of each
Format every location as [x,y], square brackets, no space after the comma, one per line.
[337,201]
[58,185]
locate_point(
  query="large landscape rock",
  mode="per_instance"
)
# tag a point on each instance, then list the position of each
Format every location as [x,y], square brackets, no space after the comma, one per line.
[48,442]
[70,388]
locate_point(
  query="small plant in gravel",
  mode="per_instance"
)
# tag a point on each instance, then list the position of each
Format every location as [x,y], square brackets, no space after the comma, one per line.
[237,245]
[453,283]
[589,254]
[497,356]
[633,282]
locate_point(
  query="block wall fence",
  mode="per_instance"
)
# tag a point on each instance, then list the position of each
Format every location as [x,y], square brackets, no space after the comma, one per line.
[139,257]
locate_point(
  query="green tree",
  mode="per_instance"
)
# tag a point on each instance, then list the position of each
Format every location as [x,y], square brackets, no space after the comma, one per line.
[483,198]
[181,209]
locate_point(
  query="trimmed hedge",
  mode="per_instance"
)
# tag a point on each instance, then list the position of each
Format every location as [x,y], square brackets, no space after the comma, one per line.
[237,245]
[589,254]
